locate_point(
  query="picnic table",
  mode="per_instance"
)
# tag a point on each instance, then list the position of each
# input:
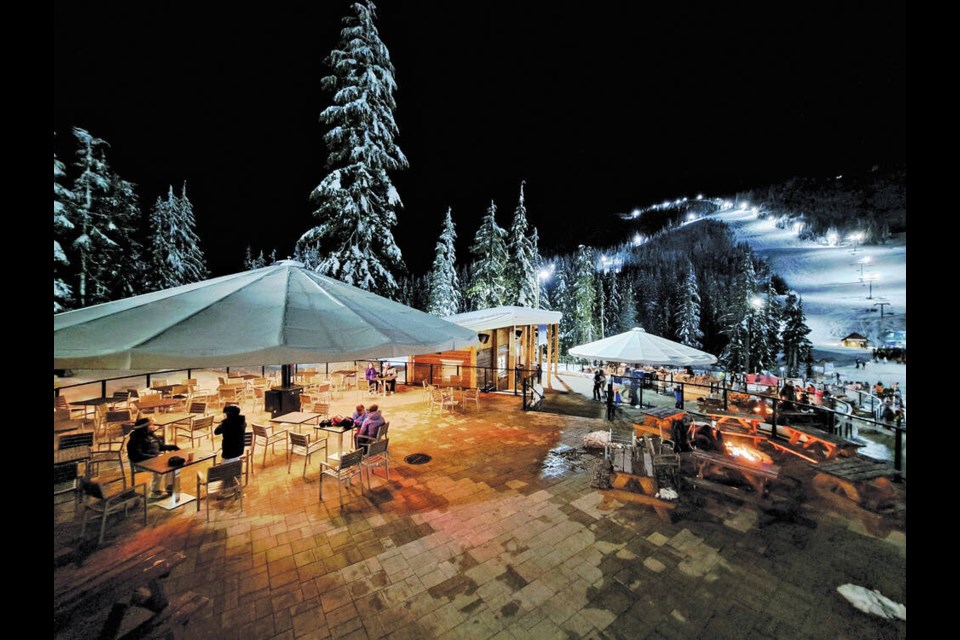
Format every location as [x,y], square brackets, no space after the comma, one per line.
[82,594]
[803,438]
[658,420]
[755,474]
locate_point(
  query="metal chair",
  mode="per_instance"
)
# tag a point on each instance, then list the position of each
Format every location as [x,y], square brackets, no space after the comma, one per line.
[102,503]
[473,395]
[264,436]
[377,455]
[343,470]
[221,481]
[300,445]
[195,428]
[364,441]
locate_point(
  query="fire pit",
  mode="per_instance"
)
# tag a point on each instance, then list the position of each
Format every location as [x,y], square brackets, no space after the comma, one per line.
[746,454]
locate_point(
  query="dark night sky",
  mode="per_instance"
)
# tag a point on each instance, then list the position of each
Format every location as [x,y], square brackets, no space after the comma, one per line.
[600,107]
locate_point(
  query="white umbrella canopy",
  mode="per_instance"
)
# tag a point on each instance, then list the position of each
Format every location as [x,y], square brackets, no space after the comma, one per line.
[281,314]
[640,347]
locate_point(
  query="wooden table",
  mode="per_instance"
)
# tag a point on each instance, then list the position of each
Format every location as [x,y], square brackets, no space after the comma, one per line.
[296,418]
[93,402]
[161,465]
[339,430]
[806,437]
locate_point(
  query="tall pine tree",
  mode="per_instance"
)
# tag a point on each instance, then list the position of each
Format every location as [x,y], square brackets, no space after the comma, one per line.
[584,296]
[356,202]
[444,286]
[175,255]
[92,243]
[62,226]
[797,349]
[688,311]
[488,284]
[122,273]
[521,275]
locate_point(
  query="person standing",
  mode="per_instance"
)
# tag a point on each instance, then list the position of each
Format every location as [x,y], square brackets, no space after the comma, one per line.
[232,429]
[678,395]
[598,381]
[539,373]
[611,409]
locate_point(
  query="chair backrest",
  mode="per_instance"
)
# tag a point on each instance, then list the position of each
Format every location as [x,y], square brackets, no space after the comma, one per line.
[247,439]
[351,459]
[60,402]
[61,413]
[72,440]
[133,394]
[121,396]
[377,448]
[225,471]
[198,407]
[261,431]
[120,415]
[202,422]
[322,408]
[159,382]
[299,439]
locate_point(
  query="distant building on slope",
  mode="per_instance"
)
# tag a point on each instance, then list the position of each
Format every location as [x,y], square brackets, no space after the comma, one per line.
[855,340]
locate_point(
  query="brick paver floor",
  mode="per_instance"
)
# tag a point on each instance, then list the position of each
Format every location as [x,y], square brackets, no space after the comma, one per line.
[502,536]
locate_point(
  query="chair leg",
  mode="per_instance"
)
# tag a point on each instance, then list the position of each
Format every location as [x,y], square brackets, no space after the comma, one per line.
[103,525]
[306,459]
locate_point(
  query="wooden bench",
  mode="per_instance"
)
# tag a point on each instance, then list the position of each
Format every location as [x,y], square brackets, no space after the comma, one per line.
[82,594]
[709,404]
[756,475]
[806,437]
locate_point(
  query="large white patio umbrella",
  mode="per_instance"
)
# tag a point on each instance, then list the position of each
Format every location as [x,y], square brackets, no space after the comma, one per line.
[281,314]
[638,346]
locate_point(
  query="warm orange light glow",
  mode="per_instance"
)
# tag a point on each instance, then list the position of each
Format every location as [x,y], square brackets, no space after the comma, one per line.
[746,453]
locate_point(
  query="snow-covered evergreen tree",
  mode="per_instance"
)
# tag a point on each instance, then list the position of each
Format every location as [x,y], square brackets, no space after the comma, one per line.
[92,243]
[250,263]
[565,303]
[539,264]
[688,311]
[797,349]
[488,282]
[121,272]
[521,274]
[463,275]
[62,226]
[584,296]
[628,306]
[356,202]
[175,256]
[444,287]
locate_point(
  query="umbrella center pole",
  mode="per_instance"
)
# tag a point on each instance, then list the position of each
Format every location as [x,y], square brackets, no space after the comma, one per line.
[286,375]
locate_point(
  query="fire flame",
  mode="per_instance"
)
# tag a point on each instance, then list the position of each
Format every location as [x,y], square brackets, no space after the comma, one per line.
[740,451]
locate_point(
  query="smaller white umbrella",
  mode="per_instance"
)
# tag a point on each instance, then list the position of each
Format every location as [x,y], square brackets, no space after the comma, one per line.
[638,346]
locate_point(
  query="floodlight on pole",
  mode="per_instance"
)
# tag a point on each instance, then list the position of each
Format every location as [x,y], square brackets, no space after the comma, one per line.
[542,276]
[863,261]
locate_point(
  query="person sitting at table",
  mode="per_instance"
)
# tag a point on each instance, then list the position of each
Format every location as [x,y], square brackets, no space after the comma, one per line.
[371,376]
[709,438]
[143,445]
[232,428]
[390,378]
[370,427]
[358,415]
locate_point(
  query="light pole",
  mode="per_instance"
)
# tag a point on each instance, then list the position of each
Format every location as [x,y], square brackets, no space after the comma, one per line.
[855,238]
[863,261]
[871,279]
[542,276]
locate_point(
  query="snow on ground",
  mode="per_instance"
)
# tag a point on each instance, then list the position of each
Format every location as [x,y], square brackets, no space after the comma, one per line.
[836,301]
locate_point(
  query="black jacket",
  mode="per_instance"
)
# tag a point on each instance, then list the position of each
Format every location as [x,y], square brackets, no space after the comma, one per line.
[232,430]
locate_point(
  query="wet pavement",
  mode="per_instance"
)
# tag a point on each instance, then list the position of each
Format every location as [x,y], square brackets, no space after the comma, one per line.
[500,535]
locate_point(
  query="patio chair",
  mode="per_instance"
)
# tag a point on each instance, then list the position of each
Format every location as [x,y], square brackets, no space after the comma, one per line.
[72,449]
[221,481]
[100,501]
[363,442]
[471,395]
[60,402]
[377,455]
[194,428]
[112,449]
[264,436]
[322,408]
[343,470]
[300,445]
[120,399]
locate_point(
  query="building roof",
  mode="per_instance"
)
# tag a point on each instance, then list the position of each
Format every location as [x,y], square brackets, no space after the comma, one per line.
[499,317]
[855,336]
